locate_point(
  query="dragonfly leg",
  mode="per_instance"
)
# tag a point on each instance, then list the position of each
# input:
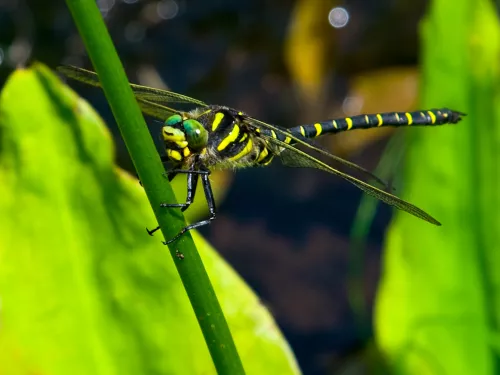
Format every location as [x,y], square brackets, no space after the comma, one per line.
[211,209]
[192,182]
[151,231]
[170,178]
[173,172]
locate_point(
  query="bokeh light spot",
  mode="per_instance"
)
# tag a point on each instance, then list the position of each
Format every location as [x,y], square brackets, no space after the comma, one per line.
[167,9]
[338,17]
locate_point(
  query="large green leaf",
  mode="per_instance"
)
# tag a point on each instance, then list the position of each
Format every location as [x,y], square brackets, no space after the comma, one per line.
[438,303]
[83,288]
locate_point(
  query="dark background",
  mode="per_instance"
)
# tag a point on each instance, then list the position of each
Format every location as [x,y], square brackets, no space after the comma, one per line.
[286,231]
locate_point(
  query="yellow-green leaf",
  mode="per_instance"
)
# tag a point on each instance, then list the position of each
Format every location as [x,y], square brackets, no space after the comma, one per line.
[83,288]
[437,308]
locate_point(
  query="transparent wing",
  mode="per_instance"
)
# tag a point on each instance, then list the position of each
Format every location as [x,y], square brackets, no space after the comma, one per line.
[307,143]
[141,92]
[156,110]
[293,157]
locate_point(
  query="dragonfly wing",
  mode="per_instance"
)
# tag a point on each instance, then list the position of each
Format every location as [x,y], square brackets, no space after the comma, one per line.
[294,157]
[156,110]
[148,93]
[307,143]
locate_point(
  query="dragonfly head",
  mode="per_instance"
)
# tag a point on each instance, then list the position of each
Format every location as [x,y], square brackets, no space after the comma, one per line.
[184,132]
[183,136]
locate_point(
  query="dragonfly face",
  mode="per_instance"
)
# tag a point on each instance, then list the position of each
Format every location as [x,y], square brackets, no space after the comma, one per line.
[183,137]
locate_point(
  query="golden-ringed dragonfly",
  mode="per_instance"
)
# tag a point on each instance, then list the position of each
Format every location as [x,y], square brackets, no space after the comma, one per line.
[212,136]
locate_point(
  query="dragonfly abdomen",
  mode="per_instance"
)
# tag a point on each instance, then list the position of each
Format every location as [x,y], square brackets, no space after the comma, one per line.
[420,118]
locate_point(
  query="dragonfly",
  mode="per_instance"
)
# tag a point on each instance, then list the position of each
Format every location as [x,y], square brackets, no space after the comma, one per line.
[209,137]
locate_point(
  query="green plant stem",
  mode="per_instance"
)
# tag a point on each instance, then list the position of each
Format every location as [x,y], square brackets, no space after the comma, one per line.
[151,172]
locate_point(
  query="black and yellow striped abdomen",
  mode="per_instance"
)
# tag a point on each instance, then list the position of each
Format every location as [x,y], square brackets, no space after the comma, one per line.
[418,118]
[232,142]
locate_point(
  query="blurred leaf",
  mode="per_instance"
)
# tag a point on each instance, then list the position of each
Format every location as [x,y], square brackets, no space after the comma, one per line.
[84,289]
[437,309]
[360,230]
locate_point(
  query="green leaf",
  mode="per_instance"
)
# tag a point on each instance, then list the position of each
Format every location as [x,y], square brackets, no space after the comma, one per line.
[437,309]
[83,288]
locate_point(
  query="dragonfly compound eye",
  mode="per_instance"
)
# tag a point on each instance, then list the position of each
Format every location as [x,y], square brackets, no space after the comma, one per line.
[196,134]
[173,120]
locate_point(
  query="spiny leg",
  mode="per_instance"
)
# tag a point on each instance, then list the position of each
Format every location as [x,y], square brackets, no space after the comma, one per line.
[205,181]
[192,182]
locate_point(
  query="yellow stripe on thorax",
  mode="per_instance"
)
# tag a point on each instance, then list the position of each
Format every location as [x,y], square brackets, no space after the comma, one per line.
[334,123]
[262,154]
[302,131]
[380,120]
[231,137]
[245,151]
[409,117]
[268,162]
[217,119]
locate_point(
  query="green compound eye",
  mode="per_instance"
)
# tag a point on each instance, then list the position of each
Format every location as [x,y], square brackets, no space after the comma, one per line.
[173,120]
[196,134]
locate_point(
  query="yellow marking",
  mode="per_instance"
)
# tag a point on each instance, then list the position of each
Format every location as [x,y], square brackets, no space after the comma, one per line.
[410,118]
[245,151]
[268,162]
[257,130]
[172,135]
[287,140]
[397,117]
[186,152]
[262,155]
[245,135]
[349,123]
[174,154]
[335,124]
[433,117]
[231,137]
[380,120]
[182,144]
[273,133]
[367,119]
[318,128]
[204,151]
[218,118]
[240,113]
[302,131]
